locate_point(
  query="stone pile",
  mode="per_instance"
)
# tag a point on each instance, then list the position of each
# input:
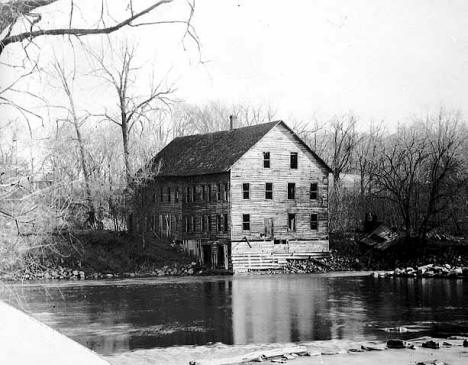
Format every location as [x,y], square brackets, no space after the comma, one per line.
[428,271]
[62,273]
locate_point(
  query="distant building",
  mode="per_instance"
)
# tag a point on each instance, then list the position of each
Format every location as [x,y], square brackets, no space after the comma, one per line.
[243,199]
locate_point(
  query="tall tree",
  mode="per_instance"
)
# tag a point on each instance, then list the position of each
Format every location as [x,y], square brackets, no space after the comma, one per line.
[133,107]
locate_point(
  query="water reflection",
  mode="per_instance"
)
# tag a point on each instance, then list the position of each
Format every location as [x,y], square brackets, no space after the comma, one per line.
[119,316]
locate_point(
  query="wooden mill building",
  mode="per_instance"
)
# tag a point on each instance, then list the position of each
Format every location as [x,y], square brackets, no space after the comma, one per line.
[242,199]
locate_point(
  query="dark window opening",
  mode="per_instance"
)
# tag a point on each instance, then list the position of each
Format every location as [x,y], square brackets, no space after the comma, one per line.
[291,222]
[176,195]
[266,160]
[268,190]
[314,221]
[169,194]
[226,192]
[218,192]
[246,222]
[186,224]
[204,222]
[161,195]
[246,191]
[192,223]
[187,194]
[194,190]
[204,192]
[209,193]
[218,223]
[209,223]
[225,222]
[293,160]
[313,191]
[291,190]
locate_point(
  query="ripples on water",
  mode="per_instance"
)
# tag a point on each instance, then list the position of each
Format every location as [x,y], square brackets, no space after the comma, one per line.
[115,316]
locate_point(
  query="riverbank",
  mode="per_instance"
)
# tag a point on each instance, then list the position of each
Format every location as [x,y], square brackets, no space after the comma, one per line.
[106,255]
[332,352]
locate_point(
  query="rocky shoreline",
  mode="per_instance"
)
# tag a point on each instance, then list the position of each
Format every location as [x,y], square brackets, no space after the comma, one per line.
[64,273]
[427,271]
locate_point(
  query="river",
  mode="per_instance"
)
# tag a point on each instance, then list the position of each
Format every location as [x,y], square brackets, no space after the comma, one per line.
[117,316]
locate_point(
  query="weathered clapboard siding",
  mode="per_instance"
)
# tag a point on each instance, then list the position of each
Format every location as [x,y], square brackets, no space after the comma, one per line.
[249,169]
[153,206]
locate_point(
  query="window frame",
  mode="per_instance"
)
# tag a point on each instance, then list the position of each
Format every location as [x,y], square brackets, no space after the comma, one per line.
[293,220]
[225,222]
[293,160]
[246,192]
[246,221]
[218,192]
[313,193]
[269,191]
[266,160]
[314,223]
[293,191]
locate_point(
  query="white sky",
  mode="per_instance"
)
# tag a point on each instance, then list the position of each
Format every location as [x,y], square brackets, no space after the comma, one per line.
[382,60]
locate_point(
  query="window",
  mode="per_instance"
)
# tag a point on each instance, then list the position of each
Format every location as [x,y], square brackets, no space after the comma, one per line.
[291,190]
[313,191]
[154,198]
[161,195]
[246,191]
[194,189]
[225,222]
[168,194]
[209,223]
[209,193]
[266,160]
[203,193]
[291,222]
[192,223]
[314,222]
[293,160]
[218,223]
[246,222]
[268,190]
[187,194]
[218,191]
[176,195]
[204,220]
[226,192]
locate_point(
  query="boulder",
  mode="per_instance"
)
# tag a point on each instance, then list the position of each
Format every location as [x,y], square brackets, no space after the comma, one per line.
[430,344]
[396,344]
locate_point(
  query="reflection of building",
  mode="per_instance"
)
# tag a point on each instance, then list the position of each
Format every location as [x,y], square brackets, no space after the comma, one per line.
[247,198]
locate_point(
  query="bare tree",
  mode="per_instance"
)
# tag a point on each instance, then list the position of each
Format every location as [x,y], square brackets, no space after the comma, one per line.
[343,142]
[76,121]
[133,108]
[28,13]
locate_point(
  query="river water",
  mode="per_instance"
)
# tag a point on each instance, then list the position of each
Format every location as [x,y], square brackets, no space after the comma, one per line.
[116,316]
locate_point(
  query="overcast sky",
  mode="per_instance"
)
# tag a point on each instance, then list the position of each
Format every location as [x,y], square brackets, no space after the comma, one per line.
[382,60]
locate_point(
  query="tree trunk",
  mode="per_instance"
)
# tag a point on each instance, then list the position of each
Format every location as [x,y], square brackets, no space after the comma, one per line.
[125,150]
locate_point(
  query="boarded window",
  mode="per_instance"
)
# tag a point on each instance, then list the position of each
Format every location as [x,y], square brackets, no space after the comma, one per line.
[168,194]
[314,222]
[266,160]
[291,222]
[218,223]
[246,190]
[225,222]
[268,227]
[226,192]
[313,191]
[246,222]
[218,192]
[291,190]
[293,160]
[268,190]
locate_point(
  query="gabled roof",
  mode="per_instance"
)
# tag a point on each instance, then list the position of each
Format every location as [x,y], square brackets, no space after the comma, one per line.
[211,153]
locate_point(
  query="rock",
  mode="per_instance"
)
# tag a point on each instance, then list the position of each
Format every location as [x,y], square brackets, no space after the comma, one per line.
[397,272]
[371,348]
[47,275]
[109,276]
[75,272]
[396,344]
[132,274]
[430,345]
[190,271]
[82,275]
